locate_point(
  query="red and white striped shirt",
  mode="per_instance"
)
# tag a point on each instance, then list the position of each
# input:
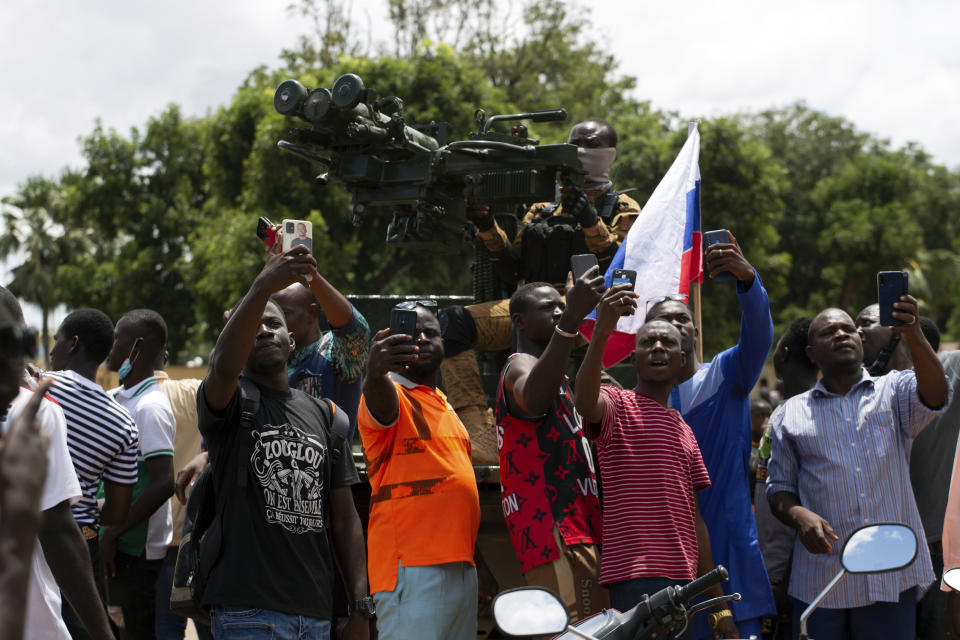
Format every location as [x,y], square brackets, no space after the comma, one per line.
[651,469]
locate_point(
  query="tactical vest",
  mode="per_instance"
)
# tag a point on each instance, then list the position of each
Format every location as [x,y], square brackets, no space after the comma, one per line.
[549,240]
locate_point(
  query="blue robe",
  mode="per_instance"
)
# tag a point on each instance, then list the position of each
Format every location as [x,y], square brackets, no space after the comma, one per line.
[715,402]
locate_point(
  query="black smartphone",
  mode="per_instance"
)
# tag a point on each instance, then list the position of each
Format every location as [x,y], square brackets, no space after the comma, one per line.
[890,286]
[266,231]
[581,263]
[714,237]
[403,321]
[624,276]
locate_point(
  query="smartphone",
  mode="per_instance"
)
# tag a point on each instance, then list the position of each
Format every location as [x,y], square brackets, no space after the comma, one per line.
[403,321]
[714,237]
[266,231]
[297,233]
[890,286]
[581,263]
[624,276]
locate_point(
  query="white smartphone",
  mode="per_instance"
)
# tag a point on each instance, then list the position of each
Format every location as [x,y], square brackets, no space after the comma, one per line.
[297,233]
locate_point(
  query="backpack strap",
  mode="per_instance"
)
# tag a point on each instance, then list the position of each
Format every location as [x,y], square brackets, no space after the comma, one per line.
[249,405]
[339,428]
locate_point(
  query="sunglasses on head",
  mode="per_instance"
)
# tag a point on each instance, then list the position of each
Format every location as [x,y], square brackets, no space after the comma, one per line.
[652,302]
[429,305]
[17,341]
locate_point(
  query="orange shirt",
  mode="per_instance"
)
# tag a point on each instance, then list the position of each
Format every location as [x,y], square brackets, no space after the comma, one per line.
[424,507]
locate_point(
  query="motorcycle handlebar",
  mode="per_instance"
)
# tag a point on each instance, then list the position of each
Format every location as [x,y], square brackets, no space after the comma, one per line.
[701,584]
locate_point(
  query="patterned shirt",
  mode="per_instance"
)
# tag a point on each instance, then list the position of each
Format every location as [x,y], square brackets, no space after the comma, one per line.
[847,458]
[547,479]
[102,438]
[651,469]
[332,366]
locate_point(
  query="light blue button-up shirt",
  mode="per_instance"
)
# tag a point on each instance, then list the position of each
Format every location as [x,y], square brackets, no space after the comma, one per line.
[847,458]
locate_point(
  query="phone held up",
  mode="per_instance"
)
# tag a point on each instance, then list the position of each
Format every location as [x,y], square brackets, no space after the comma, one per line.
[714,237]
[581,263]
[403,321]
[266,231]
[624,276]
[297,233]
[890,286]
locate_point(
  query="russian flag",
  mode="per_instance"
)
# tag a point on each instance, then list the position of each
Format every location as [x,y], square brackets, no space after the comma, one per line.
[663,246]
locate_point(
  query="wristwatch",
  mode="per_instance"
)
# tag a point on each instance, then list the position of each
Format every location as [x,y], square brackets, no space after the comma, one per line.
[364,606]
[715,618]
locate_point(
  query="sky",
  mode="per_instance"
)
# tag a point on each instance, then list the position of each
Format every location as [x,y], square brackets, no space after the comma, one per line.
[890,67]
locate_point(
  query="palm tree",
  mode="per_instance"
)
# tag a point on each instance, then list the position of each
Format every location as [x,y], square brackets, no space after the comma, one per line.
[33,231]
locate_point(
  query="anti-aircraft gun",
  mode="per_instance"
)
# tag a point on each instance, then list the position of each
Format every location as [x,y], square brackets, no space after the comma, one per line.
[413,172]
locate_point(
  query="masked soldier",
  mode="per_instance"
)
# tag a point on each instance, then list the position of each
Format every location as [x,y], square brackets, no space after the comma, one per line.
[593,219]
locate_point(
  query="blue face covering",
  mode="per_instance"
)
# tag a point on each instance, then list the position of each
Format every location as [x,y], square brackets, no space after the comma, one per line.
[127,366]
[124,370]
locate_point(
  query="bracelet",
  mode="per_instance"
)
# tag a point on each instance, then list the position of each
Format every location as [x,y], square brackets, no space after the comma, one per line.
[715,618]
[566,334]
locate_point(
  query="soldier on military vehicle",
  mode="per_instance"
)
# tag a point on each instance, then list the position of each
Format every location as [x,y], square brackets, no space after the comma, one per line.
[593,219]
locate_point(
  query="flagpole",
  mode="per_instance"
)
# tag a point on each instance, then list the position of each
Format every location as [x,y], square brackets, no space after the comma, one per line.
[695,286]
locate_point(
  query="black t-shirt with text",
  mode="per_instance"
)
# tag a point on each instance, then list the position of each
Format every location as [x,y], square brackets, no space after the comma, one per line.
[276,552]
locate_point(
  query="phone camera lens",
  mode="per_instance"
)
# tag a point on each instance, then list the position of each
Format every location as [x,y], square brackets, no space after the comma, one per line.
[289,227]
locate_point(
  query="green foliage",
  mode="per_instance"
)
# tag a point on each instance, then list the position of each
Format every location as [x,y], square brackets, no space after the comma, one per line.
[31,229]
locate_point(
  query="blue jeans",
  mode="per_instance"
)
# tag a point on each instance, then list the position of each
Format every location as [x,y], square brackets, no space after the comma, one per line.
[245,623]
[887,620]
[170,626]
[436,602]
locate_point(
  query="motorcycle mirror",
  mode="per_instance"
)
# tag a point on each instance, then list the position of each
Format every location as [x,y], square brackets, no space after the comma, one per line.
[952,578]
[530,611]
[879,547]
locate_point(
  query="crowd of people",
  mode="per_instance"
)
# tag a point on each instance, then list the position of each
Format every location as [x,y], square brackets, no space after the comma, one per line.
[607,493]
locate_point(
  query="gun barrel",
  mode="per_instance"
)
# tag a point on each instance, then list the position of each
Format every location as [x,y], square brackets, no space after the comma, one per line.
[534,116]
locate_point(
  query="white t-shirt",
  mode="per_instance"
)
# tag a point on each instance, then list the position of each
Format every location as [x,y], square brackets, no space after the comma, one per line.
[43,600]
[153,414]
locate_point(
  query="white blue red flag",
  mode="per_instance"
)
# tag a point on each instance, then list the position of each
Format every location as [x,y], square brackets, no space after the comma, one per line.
[663,246]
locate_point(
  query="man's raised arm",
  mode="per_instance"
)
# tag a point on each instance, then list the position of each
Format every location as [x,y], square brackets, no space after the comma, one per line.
[532,383]
[616,302]
[756,323]
[932,384]
[233,346]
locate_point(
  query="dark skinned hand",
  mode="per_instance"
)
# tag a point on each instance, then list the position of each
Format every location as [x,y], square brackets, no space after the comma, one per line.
[618,301]
[283,269]
[815,533]
[906,311]
[582,298]
[487,589]
[108,551]
[188,474]
[728,257]
[357,628]
[726,628]
[390,353]
[480,215]
[574,202]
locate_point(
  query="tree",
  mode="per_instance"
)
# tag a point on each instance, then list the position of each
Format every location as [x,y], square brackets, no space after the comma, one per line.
[32,228]
[143,195]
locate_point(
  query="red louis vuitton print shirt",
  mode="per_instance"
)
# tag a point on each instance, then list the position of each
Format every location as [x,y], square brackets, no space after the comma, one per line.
[547,478]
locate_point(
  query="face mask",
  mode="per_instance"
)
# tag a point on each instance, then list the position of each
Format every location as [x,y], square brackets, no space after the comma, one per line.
[127,365]
[124,369]
[596,162]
